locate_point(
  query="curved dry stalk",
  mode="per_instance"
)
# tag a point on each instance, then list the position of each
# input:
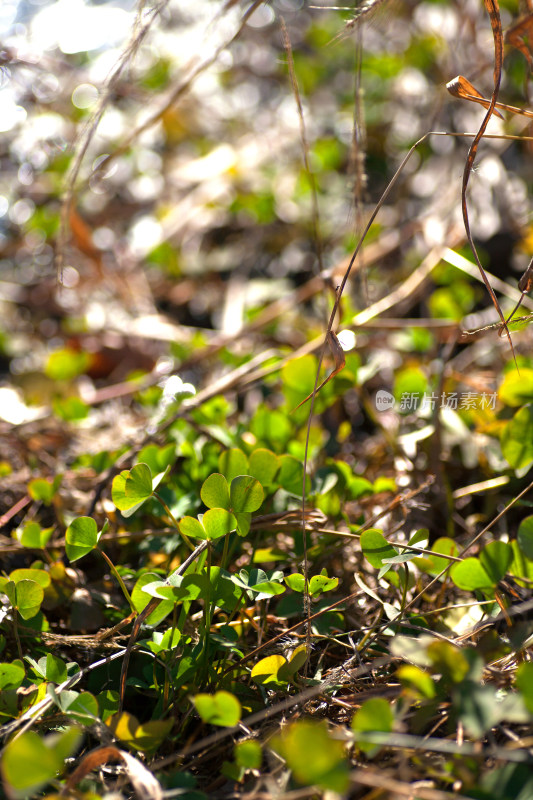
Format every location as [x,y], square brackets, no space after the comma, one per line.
[315,212]
[496,24]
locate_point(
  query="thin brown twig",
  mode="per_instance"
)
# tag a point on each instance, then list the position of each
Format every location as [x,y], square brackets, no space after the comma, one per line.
[496,24]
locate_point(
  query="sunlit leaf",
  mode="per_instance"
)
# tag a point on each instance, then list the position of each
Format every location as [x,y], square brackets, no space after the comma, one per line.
[517,387]
[246,494]
[141,599]
[233,462]
[25,596]
[291,474]
[30,762]
[81,537]
[218,522]
[296,582]
[221,708]
[375,547]
[40,576]
[524,537]
[191,527]
[266,670]
[248,754]
[215,492]
[263,465]
[32,535]
[470,575]
[321,583]
[11,674]
[496,558]
[517,439]
[375,715]
[313,755]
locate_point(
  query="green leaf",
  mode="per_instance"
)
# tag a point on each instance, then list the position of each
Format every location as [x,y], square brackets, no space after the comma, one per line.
[218,522]
[298,375]
[196,586]
[401,558]
[521,567]
[221,708]
[118,490]
[291,475]
[375,715]
[375,547]
[248,754]
[132,488]
[70,409]
[32,535]
[157,458]
[244,520]
[449,660]
[192,528]
[80,707]
[138,486]
[42,490]
[40,576]
[263,465]
[476,707]
[410,381]
[268,589]
[296,582]
[313,756]
[215,492]
[163,591]
[30,762]
[471,575]
[11,674]
[164,641]
[433,564]
[321,583]
[140,599]
[271,426]
[357,486]
[66,364]
[524,537]
[416,681]
[496,558]
[246,494]
[517,387]
[295,662]
[56,669]
[517,439]
[266,670]
[25,596]
[233,462]
[146,737]
[420,537]
[81,537]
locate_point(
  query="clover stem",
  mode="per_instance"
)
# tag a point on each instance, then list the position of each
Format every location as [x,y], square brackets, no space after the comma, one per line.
[207,614]
[174,521]
[119,579]
[224,552]
[16,634]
